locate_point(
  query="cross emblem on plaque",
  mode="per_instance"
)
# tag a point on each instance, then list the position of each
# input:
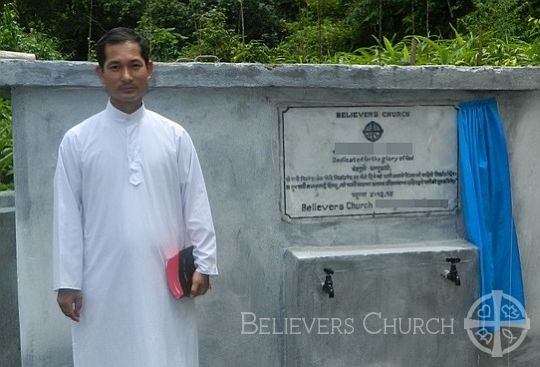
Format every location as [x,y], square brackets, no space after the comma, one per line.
[373,131]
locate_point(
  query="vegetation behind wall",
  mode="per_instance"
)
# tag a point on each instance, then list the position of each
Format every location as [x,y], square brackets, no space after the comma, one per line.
[365,32]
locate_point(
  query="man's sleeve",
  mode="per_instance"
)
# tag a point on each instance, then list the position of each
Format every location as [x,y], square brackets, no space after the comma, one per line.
[196,209]
[68,230]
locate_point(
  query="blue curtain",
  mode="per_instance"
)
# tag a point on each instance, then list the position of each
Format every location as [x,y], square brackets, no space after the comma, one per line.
[486,197]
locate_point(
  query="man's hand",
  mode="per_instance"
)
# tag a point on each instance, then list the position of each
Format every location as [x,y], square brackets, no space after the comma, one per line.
[200,284]
[70,302]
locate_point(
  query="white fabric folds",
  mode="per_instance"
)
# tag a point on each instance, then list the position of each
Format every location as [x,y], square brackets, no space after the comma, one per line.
[129,194]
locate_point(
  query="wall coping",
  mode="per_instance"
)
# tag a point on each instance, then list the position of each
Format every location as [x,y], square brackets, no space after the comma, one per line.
[21,73]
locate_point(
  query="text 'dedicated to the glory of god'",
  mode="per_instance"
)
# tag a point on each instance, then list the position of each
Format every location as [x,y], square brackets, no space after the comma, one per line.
[346,161]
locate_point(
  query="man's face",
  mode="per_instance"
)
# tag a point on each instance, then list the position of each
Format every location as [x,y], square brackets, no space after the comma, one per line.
[125,75]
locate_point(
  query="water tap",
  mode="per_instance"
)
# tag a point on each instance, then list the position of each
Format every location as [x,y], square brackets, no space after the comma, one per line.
[452,274]
[328,284]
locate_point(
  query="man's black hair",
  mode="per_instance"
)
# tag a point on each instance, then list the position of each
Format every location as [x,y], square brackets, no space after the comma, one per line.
[120,35]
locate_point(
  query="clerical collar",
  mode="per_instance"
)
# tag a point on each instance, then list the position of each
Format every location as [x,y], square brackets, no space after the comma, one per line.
[126,118]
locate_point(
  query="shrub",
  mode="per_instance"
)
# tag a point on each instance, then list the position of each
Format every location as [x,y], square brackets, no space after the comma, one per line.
[6,146]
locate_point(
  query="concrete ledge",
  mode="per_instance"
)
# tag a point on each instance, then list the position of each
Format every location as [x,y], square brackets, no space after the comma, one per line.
[7,199]
[10,55]
[17,73]
[448,248]
[316,252]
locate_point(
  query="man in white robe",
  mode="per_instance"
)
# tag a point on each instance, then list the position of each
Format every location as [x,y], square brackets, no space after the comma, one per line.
[129,194]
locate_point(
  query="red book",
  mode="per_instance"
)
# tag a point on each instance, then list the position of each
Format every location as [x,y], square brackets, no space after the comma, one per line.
[180,269]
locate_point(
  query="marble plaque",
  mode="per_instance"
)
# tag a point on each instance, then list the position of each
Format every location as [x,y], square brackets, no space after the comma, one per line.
[350,161]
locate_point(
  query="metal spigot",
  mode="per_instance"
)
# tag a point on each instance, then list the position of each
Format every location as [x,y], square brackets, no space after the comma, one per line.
[328,284]
[452,274]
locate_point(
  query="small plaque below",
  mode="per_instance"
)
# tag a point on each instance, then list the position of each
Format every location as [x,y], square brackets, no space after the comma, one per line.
[348,161]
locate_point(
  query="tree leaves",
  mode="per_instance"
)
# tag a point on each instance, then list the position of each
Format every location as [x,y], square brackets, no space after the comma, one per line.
[6,145]
[14,37]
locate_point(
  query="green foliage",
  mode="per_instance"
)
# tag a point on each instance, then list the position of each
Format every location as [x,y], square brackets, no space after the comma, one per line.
[6,146]
[401,17]
[311,41]
[168,26]
[164,42]
[500,18]
[462,50]
[257,20]
[253,52]
[214,38]
[327,8]
[364,32]
[13,36]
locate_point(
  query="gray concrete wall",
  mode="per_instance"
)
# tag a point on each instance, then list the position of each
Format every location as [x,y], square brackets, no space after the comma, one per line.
[10,355]
[358,326]
[231,111]
[520,112]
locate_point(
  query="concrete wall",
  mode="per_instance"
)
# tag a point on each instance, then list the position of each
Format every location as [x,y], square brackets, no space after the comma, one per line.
[231,111]
[9,320]
[380,329]
[520,112]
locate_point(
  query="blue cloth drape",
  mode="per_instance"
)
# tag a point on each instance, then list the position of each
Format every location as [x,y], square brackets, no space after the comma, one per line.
[486,197]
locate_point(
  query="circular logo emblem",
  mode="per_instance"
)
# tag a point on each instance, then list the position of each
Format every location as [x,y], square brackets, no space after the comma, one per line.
[497,323]
[373,131]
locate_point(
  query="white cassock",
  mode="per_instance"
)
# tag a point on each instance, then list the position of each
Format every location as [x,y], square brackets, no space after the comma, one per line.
[129,194]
